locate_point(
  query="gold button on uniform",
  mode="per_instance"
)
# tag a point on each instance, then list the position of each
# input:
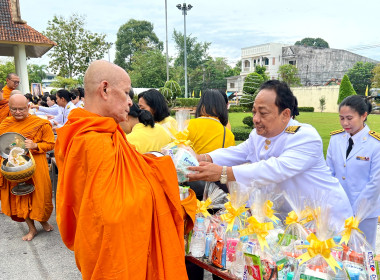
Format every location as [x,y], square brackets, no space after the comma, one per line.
[267,143]
[344,178]
[344,165]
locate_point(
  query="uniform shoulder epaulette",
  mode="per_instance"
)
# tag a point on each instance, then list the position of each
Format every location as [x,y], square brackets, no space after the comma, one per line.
[68,107]
[336,132]
[375,134]
[292,129]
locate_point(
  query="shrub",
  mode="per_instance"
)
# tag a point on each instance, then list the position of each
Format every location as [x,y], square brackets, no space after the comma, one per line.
[236,109]
[187,102]
[305,109]
[241,133]
[252,83]
[248,121]
[346,89]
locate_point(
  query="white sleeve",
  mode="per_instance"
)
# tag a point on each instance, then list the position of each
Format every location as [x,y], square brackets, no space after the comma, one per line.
[329,158]
[301,153]
[49,110]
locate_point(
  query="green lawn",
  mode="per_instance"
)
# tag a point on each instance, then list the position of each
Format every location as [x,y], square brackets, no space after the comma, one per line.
[323,122]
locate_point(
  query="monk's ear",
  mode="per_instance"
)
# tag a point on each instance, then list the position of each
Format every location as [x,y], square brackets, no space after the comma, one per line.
[104,90]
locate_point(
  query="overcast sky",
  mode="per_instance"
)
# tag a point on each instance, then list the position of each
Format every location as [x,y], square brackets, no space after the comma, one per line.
[228,25]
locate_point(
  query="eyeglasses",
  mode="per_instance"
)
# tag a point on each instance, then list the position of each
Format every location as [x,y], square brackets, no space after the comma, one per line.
[16,82]
[21,110]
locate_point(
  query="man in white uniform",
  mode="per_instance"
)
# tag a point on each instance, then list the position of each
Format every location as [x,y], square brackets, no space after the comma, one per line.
[279,150]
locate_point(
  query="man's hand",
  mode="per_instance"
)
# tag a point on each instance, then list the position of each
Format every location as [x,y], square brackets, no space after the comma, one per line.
[29,144]
[50,117]
[207,172]
[55,123]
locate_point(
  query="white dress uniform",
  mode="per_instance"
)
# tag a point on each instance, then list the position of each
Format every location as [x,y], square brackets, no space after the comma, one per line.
[359,174]
[293,160]
[52,110]
[61,118]
[80,104]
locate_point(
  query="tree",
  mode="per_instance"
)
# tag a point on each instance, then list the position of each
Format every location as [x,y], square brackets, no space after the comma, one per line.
[5,69]
[376,76]
[149,69]
[76,46]
[135,36]
[36,73]
[252,83]
[67,83]
[171,90]
[196,51]
[313,42]
[261,70]
[345,89]
[289,74]
[360,76]
[322,103]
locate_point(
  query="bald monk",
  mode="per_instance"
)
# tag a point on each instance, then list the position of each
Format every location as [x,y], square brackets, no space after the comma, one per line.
[36,206]
[12,81]
[118,210]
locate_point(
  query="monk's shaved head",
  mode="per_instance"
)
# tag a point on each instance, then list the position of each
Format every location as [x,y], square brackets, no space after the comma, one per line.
[18,100]
[101,70]
[107,88]
[15,91]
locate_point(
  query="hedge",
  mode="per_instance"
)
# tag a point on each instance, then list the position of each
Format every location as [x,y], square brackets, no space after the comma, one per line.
[241,133]
[187,102]
[248,121]
[238,109]
[305,109]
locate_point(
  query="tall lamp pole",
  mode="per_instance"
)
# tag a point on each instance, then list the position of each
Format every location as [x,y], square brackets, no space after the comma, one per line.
[167,54]
[184,9]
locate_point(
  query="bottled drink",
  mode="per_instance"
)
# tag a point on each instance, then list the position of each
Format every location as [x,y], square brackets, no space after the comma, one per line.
[198,238]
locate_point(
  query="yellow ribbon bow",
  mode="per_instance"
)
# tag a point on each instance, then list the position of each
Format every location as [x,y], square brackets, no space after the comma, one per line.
[260,229]
[202,207]
[269,212]
[309,214]
[318,247]
[349,224]
[291,218]
[231,215]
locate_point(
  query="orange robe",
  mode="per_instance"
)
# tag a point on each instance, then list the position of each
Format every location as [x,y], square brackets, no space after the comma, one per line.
[37,205]
[6,92]
[4,110]
[118,210]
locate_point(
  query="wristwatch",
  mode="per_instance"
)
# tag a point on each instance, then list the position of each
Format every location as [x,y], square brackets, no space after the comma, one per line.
[223,177]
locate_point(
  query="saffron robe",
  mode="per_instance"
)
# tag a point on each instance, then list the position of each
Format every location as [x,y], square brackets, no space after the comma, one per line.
[6,92]
[118,210]
[38,204]
[4,110]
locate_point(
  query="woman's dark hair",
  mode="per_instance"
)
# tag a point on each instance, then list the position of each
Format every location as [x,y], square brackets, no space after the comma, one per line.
[144,116]
[68,96]
[75,93]
[44,104]
[157,102]
[44,98]
[284,96]
[29,96]
[224,96]
[53,98]
[81,92]
[357,103]
[212,104]
[131,93]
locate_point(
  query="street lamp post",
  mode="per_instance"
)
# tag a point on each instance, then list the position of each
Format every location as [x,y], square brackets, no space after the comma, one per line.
[184,9]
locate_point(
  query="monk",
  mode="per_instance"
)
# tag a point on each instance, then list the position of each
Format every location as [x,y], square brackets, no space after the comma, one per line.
[119,211]
[12,83]
[4,107]
[36,206]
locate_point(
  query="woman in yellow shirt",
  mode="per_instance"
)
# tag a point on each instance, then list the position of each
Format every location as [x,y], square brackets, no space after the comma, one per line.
[208,131]
[154,102]
[143,133]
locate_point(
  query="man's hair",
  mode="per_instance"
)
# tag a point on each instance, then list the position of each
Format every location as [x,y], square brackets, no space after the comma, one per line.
[213,104]
[284,96]
[157,102]
[9,76]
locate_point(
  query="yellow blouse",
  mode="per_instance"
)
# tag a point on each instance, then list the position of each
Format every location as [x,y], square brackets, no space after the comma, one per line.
[206,134]
[147,138]
[168,121]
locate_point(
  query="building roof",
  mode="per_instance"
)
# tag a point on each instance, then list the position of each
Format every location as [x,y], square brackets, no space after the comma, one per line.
[13,31]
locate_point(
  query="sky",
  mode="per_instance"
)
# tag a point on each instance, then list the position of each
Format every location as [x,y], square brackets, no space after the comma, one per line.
[227,25]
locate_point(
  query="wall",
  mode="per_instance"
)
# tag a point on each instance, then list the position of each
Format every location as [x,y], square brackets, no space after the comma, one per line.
[309,97]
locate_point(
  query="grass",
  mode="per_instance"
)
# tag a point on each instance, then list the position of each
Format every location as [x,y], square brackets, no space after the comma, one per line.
[324,123]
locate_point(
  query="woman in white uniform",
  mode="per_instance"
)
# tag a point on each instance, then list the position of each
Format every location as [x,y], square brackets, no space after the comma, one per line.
[353,156]
[64,98]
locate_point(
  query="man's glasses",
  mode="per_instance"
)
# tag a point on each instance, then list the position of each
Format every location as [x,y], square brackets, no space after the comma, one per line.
[21,110]
[16,82]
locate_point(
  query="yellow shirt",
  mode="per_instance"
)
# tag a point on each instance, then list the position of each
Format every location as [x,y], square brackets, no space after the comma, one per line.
[169,122]
[206,134]
[147,138]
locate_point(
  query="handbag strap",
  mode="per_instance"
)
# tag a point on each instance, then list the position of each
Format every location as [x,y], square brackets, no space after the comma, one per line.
[224,136]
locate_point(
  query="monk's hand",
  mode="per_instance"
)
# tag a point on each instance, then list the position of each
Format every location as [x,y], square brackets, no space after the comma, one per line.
[29,144]
[207,171]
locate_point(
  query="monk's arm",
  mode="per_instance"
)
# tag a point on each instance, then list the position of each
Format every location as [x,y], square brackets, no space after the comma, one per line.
[46,142]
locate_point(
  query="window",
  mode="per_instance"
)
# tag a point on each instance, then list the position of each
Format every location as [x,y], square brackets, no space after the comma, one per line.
[273,61]
[292,62]
[247,63]
[266,61]
[232,85]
